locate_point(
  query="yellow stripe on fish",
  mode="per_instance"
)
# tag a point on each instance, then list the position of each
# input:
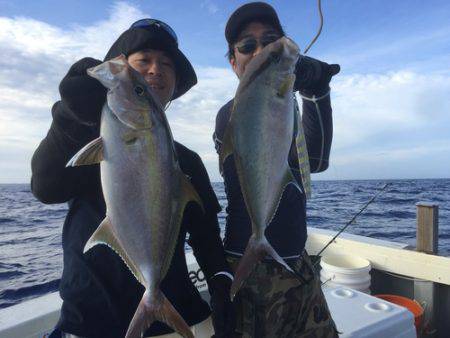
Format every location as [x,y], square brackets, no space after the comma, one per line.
[302,152]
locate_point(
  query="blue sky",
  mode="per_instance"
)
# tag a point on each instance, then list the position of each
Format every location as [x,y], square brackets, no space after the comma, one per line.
[391,101]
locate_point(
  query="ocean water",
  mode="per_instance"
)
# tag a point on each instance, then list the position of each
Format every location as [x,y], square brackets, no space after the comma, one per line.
[30,232]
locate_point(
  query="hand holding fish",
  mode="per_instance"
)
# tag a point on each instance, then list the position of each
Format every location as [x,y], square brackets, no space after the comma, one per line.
[313,76]
[83,94]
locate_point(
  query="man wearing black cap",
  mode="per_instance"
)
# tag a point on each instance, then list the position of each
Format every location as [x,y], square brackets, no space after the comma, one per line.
[100,295]
[272,302]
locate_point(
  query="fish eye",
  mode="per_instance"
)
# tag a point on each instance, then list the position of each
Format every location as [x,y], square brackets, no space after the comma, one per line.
[139,90]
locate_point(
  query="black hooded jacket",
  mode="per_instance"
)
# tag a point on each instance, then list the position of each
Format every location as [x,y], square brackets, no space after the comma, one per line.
[100,295]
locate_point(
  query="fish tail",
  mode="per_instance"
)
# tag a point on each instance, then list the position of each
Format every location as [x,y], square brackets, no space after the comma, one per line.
[257,249]
[158,308]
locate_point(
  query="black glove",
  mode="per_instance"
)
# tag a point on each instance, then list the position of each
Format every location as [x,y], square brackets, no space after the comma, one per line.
[223,314]
[314,76]
[83,95]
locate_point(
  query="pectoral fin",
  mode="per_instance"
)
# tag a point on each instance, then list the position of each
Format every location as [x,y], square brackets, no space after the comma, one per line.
[189,193]
[227,146]
[91,153]
[105,235]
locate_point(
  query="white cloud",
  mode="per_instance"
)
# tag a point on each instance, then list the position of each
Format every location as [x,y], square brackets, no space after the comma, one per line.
[428,160]
[193,116]
[391,125]
[35,56]
[210,6]
[378,118]
[196,111]
[424,49]
[366,105]
[30,37]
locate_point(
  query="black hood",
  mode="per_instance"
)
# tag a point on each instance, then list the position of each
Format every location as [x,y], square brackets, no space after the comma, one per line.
[135,39]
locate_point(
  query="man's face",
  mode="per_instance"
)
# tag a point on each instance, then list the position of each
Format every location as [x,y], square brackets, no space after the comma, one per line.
[262,34]
[158,70]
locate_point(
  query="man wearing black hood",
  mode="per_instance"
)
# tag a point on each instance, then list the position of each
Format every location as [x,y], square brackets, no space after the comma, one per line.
[273,302]
[100,295]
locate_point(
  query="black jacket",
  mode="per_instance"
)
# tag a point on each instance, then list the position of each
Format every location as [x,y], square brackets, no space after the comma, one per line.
[287,230]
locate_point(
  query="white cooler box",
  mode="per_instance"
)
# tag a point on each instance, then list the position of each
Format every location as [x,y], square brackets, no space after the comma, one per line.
[357,314]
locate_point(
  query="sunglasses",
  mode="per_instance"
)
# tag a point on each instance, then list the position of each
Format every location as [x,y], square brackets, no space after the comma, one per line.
[249,45]
[146,23]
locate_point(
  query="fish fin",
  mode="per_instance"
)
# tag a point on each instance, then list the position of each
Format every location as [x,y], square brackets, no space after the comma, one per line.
[106,72]
[188,194]
[302,153]
[288,179]
[227,146]
[286,86]
[91,153]
[256,250]
[155,308]
[105,235]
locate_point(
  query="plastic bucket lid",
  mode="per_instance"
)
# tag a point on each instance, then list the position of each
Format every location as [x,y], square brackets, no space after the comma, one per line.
[410,304]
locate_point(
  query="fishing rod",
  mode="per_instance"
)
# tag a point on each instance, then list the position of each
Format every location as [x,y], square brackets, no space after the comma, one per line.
[320,28]
[351,221]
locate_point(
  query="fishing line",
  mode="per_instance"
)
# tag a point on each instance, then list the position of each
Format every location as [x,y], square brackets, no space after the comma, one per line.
[350,222]
[319,4]
[167,105]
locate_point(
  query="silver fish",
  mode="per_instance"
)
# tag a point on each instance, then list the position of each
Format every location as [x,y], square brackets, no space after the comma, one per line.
[144,188]
[259,135]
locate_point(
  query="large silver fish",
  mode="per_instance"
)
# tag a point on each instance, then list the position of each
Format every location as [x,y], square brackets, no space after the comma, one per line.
[143,186]
[259,135]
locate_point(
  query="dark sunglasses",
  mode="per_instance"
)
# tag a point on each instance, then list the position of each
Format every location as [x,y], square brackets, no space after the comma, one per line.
[249,45]
[143,23]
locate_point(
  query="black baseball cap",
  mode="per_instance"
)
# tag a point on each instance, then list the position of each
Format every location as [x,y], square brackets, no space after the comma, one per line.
[253,11]
[155,34]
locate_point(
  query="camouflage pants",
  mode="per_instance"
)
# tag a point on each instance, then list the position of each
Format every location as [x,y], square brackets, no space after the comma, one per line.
[274,303]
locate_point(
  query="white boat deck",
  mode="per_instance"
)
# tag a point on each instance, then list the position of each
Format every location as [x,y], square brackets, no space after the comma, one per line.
[31,319]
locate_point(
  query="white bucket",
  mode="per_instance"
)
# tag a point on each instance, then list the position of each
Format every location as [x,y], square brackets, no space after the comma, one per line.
[344,270]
